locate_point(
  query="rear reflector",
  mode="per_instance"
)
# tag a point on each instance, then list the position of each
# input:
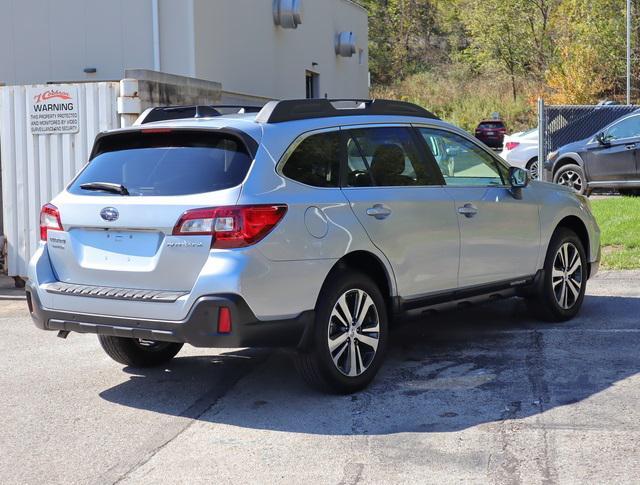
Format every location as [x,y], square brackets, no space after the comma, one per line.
[231,227]
[224,320]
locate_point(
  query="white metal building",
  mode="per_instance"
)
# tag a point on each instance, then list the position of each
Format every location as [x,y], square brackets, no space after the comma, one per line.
[269,48]
[72,55]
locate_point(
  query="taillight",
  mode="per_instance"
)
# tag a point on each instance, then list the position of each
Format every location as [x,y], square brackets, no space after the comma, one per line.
[510,145]
[49,219]
[231,227]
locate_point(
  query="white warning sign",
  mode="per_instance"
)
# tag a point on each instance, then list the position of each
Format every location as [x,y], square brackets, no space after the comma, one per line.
[54,109]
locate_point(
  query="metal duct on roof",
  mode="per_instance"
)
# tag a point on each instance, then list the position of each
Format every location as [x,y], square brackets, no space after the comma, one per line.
[345,44]
[287,13]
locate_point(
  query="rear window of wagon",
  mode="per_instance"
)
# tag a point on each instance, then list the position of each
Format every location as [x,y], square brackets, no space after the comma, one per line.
[491,125]
[166,163]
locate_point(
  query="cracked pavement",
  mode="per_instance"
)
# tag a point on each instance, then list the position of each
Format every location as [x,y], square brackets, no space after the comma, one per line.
[482,395]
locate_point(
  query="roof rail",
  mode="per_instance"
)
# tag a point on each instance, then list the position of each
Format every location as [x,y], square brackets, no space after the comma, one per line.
[302,109]
[165,113]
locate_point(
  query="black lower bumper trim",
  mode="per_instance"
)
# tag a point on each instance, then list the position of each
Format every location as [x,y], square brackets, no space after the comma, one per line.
[198,329]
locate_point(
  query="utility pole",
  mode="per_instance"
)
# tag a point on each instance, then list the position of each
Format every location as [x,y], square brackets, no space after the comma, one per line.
[628,51]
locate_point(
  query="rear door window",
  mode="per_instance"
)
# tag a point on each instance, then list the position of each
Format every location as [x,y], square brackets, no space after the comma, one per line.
[166,164]
[387,157]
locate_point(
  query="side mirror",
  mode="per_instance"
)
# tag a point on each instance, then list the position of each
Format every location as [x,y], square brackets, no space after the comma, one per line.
[602,139]
[518,178]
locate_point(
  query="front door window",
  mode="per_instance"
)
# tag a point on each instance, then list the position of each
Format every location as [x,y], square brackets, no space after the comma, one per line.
[461,162]
[627,128]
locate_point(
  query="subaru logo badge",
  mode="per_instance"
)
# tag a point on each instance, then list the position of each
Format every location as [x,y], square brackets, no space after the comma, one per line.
[109,214]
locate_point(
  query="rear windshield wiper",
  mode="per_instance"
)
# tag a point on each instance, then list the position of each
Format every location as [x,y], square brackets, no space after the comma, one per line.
[106,186]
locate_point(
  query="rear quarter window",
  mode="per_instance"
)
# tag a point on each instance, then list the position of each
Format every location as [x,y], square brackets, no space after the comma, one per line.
[165,164]
[315,161]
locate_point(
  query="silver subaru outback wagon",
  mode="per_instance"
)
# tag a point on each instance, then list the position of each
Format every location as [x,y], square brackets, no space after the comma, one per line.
[311,224]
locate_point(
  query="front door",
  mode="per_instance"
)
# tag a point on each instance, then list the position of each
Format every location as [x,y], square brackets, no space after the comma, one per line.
[616,160]
[400,200]
[499,234]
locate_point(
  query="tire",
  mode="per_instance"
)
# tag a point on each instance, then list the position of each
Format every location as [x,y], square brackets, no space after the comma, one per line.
[571,176]
[335,371]
[547,300]
[532,168]
[138,353]
[630,192]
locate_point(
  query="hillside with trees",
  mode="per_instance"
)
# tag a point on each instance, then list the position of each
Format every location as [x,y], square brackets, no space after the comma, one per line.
[465,59]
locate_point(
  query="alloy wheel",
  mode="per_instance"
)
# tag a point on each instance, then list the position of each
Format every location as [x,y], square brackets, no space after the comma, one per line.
[567,275]
[572,179]
[533,170]
[353,332]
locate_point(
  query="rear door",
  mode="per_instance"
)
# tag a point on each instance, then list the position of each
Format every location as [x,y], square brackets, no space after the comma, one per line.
[617,160]
[126,241]
[499,234]
[400,201]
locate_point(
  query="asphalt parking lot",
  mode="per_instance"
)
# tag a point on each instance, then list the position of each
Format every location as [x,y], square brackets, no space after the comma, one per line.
[484,395]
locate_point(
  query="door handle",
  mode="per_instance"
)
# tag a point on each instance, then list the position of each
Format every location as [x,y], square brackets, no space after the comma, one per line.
[379,211]
[468,210]
[630,146]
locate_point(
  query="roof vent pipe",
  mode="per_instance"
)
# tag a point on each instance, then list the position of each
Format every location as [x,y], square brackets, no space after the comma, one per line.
[345,44]
[287,13]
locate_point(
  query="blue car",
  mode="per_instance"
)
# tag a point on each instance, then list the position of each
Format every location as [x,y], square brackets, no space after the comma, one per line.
[608,159]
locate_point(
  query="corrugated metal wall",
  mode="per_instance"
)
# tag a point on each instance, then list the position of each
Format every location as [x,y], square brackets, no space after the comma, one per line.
[37,167]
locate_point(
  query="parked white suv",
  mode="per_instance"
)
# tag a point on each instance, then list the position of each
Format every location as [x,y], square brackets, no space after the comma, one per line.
[521,150]
[311,224]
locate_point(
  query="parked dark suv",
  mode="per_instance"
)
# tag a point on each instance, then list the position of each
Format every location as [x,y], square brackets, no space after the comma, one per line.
[491,133]
[607,159]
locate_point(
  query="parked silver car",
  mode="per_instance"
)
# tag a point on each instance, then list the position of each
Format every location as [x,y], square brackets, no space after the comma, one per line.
[311,224]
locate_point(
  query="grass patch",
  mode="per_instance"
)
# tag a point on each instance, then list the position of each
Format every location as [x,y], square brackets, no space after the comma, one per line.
[619,220]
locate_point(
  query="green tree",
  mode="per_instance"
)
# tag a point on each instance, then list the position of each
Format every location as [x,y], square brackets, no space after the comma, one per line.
[499,37]
[538,16]
[590,53]
[400,36]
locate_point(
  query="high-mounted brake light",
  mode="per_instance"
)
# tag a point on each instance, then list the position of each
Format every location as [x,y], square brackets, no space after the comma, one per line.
[231,227]
[510,145]
[49,219]
[157,130]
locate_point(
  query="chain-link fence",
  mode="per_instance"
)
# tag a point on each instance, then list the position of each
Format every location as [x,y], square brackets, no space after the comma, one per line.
[565,124]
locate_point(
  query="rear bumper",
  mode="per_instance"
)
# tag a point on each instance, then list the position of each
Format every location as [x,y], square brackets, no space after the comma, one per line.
[494,142]
[199,328]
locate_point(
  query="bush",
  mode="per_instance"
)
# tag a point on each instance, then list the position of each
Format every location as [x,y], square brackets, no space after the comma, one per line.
[463,98]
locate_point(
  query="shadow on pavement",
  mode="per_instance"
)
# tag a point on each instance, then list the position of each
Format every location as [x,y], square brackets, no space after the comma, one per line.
[454,371]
